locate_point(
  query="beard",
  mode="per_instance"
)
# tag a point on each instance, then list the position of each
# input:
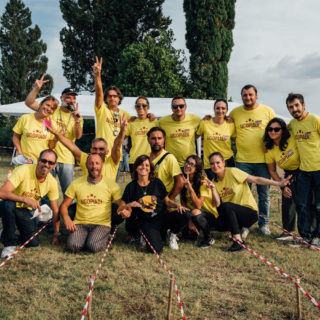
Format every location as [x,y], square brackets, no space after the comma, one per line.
[156,148]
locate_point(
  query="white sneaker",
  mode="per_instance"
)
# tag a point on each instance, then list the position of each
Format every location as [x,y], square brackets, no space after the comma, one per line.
[244,233]
[7,251]
[265,230]
[316,242]
[142,241]
[173,244]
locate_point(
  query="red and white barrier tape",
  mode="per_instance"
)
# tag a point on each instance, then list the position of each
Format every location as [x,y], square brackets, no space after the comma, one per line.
[3,147]
[21,247]
[169,272]
[313,300]
[85,308]
[292,234]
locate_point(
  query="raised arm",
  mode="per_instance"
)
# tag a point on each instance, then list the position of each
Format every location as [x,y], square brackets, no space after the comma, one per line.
[98,83]
[31,98]
[77,126]
[116,148]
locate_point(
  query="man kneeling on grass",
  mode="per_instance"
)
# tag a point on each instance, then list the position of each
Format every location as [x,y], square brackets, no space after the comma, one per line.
[94,194]
[23,191]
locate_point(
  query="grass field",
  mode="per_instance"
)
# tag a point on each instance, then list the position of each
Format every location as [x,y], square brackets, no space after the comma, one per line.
[49,283]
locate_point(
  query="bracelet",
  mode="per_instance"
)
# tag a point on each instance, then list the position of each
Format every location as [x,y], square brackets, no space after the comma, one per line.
[57,234]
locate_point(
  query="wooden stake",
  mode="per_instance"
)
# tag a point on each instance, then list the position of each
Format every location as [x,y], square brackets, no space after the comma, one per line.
[170,295]
[90,301]
[299,301]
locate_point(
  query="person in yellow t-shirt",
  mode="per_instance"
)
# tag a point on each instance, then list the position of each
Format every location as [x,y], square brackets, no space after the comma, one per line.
[30,135]
[94,194]
[250,121]
[22,193]
[305,128]
[238,207]
[180,129]
[282,152]
[216,134]
[68,121]
[138,129]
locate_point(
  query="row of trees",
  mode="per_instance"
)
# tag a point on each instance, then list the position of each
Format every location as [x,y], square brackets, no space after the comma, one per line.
[133,37]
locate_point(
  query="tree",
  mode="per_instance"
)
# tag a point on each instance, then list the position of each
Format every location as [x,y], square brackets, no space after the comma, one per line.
[104,28]
[152,67]
[209,39]
[22,53]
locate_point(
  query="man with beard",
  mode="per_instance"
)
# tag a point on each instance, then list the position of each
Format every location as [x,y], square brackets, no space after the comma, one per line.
[250,120]
[23,191]
[94,194]
[306,131]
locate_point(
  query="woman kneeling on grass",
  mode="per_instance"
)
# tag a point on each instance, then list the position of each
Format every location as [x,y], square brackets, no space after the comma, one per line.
[238,207]
[147,196]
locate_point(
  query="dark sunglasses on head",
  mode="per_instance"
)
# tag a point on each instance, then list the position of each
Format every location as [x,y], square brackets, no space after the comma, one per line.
[176,106]
[141,105]
[270,129]
[188,163]
[45,161]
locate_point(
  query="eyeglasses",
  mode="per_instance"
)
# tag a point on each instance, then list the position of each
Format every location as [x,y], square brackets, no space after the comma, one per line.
[45,161]
[188,163]
[112,96]
[276,129]
[176,106]
[141,105]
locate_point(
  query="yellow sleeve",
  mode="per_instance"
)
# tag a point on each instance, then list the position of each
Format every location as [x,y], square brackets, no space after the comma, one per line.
[53,193]
[17,175]
[173,163]
[269,157]
[239,175]
[18,128]
[200,130]
[116,192]
[71,192]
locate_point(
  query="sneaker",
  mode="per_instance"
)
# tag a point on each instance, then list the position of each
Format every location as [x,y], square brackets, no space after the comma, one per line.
[173,244]
[285,236]
[206,243]
[7,251]
[315,242]
[244,232]
[295,243]
[265,230]
[236,247]
[142,241]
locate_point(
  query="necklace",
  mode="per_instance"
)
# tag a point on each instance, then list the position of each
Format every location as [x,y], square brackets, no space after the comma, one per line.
[144,189]
[64,128]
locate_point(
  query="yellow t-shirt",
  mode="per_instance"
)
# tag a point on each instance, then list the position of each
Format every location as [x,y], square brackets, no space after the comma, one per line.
[109,169]
[307,135]
[138,130]
[106,124]
[167,170]
[34,138]
[207,203]
[288,159]
[250,127]
[93,200]
[234,188]
[65,123]
[27,185]
[216,139]
[180,136]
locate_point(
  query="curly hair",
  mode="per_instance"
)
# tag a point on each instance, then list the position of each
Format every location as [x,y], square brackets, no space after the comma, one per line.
[196,180]
[138,162]
[269,143]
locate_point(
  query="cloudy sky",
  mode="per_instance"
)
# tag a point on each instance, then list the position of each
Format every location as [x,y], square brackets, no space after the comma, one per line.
[276,46]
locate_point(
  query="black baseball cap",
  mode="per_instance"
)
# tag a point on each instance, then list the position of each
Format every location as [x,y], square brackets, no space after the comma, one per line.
[69,91]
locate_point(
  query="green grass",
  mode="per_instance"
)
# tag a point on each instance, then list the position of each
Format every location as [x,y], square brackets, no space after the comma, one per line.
[49,283]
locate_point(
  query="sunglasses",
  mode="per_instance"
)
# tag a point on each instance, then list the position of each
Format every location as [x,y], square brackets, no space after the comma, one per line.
[45,161]
[141,105]
[176,106]
[188,163]
[270,129]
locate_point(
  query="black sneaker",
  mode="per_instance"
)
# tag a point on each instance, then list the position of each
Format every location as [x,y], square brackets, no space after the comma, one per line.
[206,243]
[285,237]
[296,243]
[236,247]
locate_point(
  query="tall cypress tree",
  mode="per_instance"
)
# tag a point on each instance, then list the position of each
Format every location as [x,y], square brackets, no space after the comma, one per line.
[22,54]
[209,25]
[104,28]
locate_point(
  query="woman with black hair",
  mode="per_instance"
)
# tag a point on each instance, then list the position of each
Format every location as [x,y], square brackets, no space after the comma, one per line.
[147,196]
[282,151]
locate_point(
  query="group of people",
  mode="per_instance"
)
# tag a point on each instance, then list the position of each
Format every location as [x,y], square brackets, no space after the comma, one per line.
[215,193]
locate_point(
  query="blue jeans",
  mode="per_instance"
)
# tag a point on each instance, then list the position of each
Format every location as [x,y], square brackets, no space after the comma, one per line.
[259,170]
[65,174]
[307,183]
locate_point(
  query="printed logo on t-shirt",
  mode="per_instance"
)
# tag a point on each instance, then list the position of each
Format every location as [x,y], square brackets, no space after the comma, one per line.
[216,136]
[225,192]
[110,121]
[142,131]
[148,204]
[301,135]
[285,156]
[36,134]
[250,123]
[91,199]
[32,194]
[180,133]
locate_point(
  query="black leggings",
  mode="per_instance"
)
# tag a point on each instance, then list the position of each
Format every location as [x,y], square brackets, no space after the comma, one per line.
[232,217]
